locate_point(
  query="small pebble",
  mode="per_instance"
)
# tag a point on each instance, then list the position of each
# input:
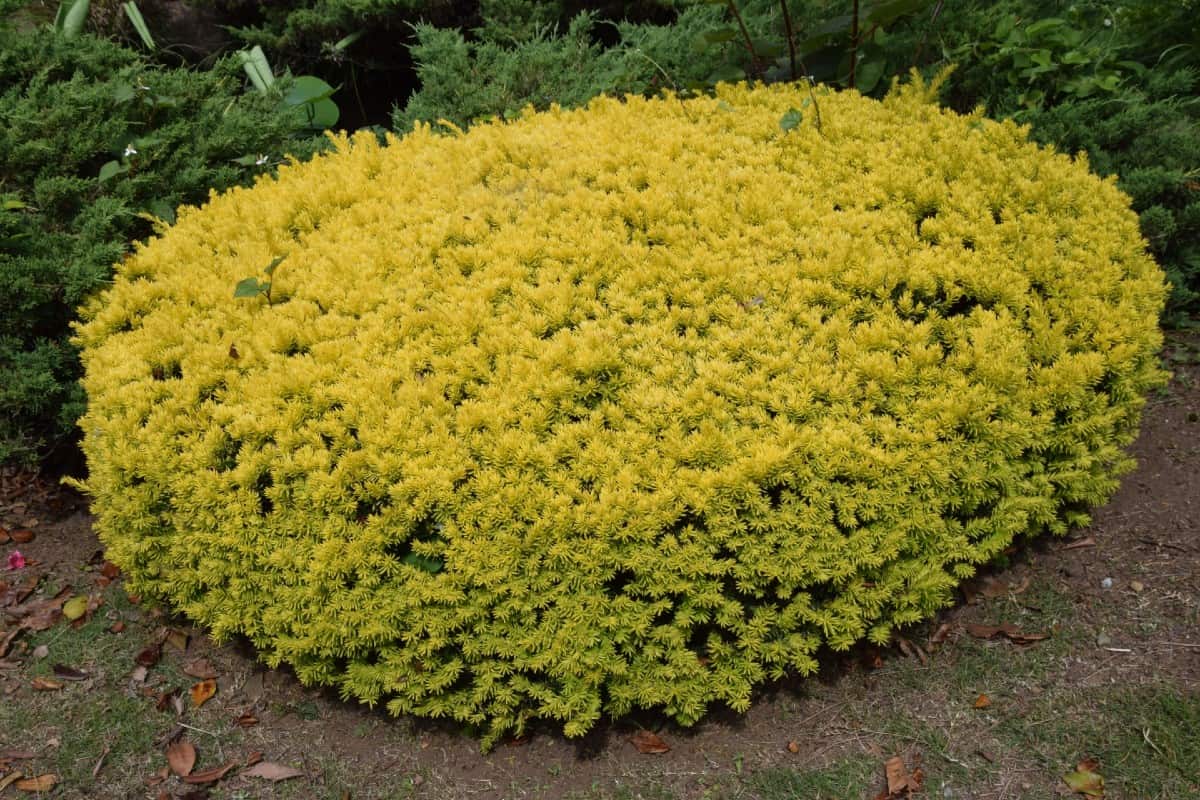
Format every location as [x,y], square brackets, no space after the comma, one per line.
[1137,586]
[1107,583]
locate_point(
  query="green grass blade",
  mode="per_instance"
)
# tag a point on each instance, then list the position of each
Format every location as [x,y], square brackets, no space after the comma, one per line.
[139,24]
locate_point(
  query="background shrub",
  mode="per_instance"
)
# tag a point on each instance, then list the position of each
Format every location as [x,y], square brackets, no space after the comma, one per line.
[68,108]
[630,407]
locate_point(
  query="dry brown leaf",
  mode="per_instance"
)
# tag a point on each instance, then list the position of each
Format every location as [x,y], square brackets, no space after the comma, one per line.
[246,719]
[983,701]
[649,743]
[43,615]
[21,536]
[10,779]
[42,783]
[116,627]
[19,592]
[7,640]
[45,685]
[210,775]
[1006,629]
[1086,541]
[69,673]
[271,771]
[793,747]
[177,639]
[110,570]
[150,655]
[897,775]
[202,692]
[254,757]
[17,755]
[200,668]
[181,757]
[4,537]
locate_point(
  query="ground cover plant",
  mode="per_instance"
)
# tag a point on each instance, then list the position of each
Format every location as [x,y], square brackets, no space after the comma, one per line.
[498,428]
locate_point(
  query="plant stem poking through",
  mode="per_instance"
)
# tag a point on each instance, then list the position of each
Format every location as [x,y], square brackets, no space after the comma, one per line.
[853,44]
[791,37]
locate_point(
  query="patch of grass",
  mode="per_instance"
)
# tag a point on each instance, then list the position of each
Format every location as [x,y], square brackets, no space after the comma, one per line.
[850,779]
[646,792]
[1145,739]
[71,728]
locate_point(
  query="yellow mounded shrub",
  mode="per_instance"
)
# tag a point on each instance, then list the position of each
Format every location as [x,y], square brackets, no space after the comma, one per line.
[629,407]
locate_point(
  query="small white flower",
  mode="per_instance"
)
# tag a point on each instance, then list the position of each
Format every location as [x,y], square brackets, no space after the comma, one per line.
[258,162]
[143,87]
[1107,22]
[130,151]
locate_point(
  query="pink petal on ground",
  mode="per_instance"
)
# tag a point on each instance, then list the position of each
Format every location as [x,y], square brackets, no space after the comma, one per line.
[16,560]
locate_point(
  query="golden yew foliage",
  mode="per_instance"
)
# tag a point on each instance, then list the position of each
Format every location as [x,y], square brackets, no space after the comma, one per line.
[629,407]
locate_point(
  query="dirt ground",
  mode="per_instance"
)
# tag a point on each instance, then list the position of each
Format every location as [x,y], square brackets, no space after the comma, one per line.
[1101,661]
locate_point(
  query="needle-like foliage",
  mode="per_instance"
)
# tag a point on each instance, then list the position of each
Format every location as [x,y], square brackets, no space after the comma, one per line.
[635,406]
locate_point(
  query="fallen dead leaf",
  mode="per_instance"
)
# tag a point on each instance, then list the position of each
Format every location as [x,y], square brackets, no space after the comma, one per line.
[1075,544]
[793,747]
[69,673]
[162,701]
[1085,780]
[7,640]
[19,592]
[42,615]
[45,685]
[254,757]
[210,775]
[271,771]
[200,668]
[897,775]
[21,536]
[10,779]
[116,627]
[181,757]
[42,783]
[75,608]
[901,784]
[1137,586]
[4,537]
[177,639]
[17,755]
[149,655]
[649,743]
[110,570]
[246,719]
[203,691]
[983,701]
[1007,630]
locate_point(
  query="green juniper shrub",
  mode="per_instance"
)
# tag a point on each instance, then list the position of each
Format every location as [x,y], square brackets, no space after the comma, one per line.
[463,81]
[94,143]
[1150,138]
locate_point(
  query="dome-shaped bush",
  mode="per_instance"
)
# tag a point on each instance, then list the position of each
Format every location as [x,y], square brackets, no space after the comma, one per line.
[629,407]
